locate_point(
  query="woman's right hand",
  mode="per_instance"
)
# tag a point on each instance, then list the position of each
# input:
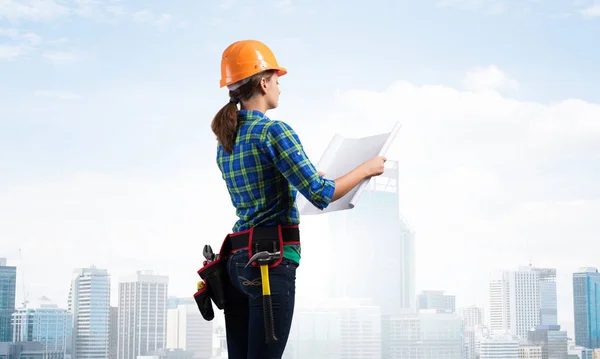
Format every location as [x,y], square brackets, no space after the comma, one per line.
[345,183]
[374,166]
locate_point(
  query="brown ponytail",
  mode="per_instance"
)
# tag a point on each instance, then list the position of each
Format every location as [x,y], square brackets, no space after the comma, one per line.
[225,123]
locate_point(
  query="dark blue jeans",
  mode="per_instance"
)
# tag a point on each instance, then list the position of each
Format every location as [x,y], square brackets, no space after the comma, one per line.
[244,321]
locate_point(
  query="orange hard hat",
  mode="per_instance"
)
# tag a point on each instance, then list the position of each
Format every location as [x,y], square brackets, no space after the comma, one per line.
[245,58]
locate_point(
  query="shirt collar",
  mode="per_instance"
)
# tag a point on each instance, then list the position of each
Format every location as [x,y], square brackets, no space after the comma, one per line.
[251,114]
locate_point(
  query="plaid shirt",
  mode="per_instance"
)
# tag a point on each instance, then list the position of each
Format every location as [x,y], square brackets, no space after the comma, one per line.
[267,168]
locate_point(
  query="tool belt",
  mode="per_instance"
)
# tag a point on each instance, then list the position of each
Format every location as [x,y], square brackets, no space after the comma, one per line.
[214,273]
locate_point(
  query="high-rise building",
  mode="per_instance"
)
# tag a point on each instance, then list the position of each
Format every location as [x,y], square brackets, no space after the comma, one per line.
[472,316]
[89,302]
[336,328]
[174,302]
[470,343]
[579,352]
[515,301]
[186,329]
[142,314]
[499,302]
[113,332]
[530,351]
[548,296]
[524,301]
[43,321]
[8,290]
[424,335]
[586,307]
[379,245]
[499,346]
[29,350]
[437,300]
[552,340]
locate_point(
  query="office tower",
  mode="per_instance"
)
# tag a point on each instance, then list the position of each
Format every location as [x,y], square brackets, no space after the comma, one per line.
[551,339]
[375,248]
[524,301]
[336,328]
[186,329]
[174,302]
[8,290]
[27,350]
[472,316]
[43,321]
[113,332]
[586,307]
[470,343]
[89,302]
[579,352]
[499,302]
[424,335]
[499,346]
[515,301]
[436,299]
[548,296]
[142,314]
[528,351]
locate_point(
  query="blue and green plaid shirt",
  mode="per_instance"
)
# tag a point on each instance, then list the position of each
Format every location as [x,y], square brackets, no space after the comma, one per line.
[267,168]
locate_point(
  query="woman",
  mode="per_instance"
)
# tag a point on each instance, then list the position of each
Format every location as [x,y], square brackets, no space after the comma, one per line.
[263,164]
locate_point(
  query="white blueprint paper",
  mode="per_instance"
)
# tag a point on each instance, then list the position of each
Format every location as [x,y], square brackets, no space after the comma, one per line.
[342,156]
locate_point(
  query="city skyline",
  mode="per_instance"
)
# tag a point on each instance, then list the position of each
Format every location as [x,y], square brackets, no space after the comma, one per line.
[565,315]
[485,308]
[437,312]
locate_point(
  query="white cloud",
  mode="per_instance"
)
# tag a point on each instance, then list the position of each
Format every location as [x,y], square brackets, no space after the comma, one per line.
[226,4]
[62,57]
[148,16]
[45,10]
[591,11]
[216,21]
[16,34]
[485,174]
[57,95]
[34,39]
[491,7]
[19,44]
[9,32]
[35,10]
[286,6]
[9,52]
[486,182]
[60,40]
[119,223]
[489,78]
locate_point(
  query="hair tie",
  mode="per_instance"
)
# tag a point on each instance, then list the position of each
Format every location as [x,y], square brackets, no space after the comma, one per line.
[234,101]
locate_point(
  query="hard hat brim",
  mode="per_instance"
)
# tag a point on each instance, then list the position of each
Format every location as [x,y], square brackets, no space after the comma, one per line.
[281,71]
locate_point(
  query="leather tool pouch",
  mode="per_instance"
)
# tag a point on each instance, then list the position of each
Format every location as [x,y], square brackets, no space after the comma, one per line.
[204,304]
[216,278]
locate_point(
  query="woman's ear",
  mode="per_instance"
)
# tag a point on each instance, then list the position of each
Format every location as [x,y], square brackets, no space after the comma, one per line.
[263,85]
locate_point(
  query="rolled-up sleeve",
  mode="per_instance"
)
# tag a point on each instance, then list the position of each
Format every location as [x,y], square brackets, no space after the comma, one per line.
[285,149]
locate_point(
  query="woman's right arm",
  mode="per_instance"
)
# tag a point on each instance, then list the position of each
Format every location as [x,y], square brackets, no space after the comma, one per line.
[285,149]
[345,183]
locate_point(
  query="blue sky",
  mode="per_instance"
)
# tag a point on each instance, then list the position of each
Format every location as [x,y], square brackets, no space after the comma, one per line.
[176,50]
[105,106]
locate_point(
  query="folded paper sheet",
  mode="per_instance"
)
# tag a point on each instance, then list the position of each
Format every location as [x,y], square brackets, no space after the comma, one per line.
[342,156]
